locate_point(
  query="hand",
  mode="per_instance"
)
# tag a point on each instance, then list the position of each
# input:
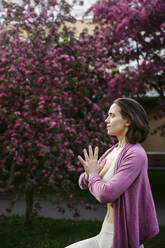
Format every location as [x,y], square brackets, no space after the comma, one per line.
[90,164]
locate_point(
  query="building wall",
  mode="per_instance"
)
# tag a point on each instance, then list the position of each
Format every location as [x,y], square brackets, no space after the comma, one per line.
[154,142]
[79,26]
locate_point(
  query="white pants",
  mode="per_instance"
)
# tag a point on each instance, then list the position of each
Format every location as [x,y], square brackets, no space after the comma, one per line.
[103,240]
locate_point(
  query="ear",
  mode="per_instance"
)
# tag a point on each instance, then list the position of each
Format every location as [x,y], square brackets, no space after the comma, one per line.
[127,123]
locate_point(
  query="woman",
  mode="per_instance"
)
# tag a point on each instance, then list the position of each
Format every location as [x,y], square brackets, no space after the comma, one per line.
[120,180]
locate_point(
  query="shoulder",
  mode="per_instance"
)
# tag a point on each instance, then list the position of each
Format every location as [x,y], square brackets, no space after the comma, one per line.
[135,153]
[138,150]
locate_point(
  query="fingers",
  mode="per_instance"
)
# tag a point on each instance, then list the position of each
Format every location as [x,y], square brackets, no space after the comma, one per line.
[90,151]
[82,161]
[86,155]
[103,163]
[91,155]
[96,152]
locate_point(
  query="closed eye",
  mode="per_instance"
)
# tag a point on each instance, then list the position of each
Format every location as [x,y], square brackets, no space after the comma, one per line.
[111,115]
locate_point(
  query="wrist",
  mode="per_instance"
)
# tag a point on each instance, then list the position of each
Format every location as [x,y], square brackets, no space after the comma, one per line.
[86,177]
[92,174]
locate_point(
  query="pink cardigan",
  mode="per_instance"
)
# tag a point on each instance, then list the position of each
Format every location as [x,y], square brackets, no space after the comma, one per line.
[135,219]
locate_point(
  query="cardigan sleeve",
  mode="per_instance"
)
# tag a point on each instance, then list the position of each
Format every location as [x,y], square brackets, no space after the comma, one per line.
[83,183]
[129,169]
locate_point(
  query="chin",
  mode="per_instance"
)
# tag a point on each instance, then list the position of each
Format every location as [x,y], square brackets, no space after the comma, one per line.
[110,132]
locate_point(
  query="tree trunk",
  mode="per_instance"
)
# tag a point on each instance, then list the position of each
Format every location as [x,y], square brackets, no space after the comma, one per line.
[29,204]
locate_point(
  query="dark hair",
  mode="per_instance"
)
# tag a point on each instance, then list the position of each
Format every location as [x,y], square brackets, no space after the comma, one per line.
[135,113]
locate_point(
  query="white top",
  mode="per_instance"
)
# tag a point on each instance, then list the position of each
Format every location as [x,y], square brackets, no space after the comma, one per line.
[106,174]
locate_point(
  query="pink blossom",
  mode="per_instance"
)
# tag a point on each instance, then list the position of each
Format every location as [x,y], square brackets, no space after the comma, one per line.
[55,93]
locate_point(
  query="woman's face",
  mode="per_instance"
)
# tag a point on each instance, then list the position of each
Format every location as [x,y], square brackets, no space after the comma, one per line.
[116,124]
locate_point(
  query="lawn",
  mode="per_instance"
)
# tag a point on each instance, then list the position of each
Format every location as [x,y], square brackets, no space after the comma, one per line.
[50,233]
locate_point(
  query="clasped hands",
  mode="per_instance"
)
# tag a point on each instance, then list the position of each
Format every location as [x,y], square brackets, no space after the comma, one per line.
[90,164]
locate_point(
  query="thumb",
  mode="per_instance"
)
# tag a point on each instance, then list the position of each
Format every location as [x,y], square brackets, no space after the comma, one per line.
[103,162]
[101,165]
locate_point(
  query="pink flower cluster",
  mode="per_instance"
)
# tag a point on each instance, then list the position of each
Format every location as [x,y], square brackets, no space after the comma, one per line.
[56,88]
[134,34]
[53,94]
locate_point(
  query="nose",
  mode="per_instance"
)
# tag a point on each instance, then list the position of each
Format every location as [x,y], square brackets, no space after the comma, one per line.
[107,120]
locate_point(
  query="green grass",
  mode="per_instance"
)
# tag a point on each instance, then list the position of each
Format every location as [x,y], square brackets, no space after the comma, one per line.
[50,233]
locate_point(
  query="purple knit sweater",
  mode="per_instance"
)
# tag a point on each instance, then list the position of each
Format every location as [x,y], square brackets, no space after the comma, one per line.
[135,219]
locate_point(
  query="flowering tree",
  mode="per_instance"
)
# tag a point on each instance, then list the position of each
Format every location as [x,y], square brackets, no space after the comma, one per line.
[53,87]
[134,35]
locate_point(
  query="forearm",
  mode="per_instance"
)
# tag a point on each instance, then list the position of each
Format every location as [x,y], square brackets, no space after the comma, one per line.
[102,191]
[131,166]
[110,191]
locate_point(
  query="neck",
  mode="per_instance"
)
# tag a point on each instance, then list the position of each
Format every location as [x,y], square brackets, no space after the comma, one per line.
[122,141]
